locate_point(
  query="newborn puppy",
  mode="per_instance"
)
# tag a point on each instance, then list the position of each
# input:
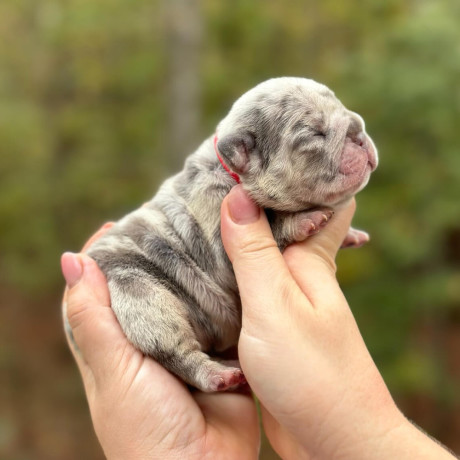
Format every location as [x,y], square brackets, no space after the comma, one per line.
[299,153]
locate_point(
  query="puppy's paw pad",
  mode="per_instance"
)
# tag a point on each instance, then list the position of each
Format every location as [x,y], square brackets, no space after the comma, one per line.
[227,380]
[311,222]
[307,228]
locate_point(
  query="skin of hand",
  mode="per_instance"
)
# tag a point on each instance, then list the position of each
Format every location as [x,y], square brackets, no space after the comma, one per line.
[321,394]
[138,409]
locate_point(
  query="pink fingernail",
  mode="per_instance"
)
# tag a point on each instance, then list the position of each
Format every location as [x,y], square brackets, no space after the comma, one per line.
[242,209]
[72,268]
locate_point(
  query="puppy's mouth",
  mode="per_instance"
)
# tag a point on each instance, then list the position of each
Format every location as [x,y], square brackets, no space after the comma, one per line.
[358,160]
[357,154]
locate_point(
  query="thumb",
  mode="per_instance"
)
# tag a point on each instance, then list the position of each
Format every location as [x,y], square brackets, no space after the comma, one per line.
[93,324]
[261,272]
[312,262]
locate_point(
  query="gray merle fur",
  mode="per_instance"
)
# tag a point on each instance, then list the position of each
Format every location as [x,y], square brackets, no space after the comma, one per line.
[295,148]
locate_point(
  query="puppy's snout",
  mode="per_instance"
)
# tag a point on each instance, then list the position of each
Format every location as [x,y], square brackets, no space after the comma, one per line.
[356,133]
[359,139]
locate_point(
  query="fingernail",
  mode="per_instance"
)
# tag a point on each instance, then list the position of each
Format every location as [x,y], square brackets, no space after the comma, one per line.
[72,268]
[241,208]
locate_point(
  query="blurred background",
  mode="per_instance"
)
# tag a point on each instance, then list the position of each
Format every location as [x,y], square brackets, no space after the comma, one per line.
[101,100]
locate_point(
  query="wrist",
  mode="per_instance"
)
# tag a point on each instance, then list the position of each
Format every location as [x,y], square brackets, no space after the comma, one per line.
[392,437]
[406,441]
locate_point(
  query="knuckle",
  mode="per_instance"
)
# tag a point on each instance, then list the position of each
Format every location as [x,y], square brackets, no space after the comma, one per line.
[258,247]
[326,260]
[76,312]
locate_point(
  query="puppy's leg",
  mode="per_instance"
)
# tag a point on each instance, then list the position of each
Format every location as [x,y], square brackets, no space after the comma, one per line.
[158,322]
[355,238]
[289,228]
[210,375]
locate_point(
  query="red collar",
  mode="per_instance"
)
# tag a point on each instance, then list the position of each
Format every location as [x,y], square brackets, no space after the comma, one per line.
[233,174]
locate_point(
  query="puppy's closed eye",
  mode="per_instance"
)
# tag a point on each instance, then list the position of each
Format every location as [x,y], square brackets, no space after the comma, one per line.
[318,133]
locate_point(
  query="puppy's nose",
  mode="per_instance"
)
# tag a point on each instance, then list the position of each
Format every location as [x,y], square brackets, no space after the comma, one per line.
[358,138]
[355,132]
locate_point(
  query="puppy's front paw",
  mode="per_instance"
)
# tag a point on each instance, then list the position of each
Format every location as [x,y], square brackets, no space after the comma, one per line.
[355,238]
[310,222]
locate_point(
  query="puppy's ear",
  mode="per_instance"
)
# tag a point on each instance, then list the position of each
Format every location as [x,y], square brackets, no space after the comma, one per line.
[235,149]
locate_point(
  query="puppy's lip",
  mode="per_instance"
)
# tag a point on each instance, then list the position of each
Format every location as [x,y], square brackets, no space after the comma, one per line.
[363,142]
[372,158]
[358,182]
[350,189]
[369,147]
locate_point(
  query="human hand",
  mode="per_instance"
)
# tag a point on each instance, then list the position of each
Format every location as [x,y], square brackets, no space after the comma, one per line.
[301,351]
[139,410]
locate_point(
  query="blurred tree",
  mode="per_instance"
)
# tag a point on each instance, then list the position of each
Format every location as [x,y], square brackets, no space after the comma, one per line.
[101,100]
[184,44]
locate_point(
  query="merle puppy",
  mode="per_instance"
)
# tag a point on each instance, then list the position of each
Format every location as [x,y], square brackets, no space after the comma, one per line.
[299,153]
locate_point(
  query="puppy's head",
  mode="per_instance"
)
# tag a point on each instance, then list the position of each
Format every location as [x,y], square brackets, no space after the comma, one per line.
[295,146]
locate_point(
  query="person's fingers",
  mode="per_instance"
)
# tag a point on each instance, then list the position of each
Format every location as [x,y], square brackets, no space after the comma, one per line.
[94,326]
[262,275]
[312,262]
[84,369]
[235,414]
[283,442]
[324,245]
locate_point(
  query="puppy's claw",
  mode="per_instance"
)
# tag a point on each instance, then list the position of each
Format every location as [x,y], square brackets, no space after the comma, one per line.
[326,217]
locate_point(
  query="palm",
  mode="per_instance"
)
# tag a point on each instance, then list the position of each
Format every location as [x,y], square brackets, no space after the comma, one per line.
[139,409]
[160,410]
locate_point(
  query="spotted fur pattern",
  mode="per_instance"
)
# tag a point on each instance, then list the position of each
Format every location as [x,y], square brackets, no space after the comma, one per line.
[171,284]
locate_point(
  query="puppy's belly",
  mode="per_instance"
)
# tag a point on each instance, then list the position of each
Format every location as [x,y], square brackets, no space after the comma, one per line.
[168,307]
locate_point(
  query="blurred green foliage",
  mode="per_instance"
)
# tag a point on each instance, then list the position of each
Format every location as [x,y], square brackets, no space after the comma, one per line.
[84,138]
